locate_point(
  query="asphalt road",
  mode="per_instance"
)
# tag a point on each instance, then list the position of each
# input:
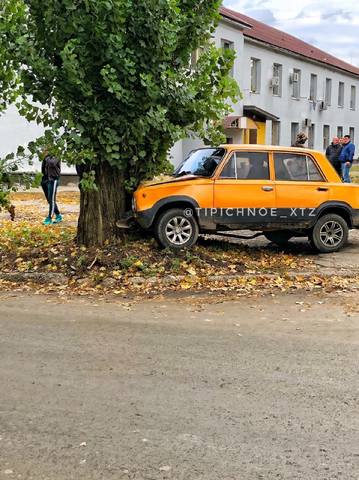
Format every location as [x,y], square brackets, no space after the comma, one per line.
[184,389]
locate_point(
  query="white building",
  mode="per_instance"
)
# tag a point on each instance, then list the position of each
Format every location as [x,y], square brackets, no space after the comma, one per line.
[287,85]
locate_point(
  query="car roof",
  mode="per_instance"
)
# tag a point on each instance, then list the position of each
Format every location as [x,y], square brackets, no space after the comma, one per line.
[267,148]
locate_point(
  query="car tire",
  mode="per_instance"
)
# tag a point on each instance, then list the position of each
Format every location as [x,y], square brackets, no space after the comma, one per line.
[279,237]
[329,234]
[177,229]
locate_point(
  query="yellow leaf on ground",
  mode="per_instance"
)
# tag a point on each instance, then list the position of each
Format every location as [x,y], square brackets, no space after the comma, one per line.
[191,271]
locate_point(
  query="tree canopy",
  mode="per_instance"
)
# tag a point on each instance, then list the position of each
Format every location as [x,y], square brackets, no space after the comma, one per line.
[111,80]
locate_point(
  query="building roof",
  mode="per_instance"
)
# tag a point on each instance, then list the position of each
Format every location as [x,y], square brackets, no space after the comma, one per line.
[272,36]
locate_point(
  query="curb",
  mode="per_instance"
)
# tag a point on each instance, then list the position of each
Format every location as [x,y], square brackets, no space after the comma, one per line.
[36,277]
[61,279]
[173,279]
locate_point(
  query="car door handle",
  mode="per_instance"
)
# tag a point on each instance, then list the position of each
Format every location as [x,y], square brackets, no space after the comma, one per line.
[322,189]
[268,189]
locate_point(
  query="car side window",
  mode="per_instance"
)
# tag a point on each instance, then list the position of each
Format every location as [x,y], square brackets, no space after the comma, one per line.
[247,166]
[229,170]
[313,172]
[252,166]
[296,167]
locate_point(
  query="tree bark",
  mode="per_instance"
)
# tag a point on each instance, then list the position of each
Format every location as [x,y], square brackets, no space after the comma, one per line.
[100,210]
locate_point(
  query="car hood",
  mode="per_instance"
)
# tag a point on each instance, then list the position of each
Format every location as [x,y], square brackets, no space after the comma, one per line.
[163,179]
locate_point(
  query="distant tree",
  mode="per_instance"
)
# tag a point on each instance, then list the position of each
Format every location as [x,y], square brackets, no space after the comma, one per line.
[111,81]
[5,189]
[11,181]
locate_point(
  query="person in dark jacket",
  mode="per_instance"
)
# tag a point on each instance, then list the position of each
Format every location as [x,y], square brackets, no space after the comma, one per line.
[346,158]
[300,140]
[51,171]
[333,152]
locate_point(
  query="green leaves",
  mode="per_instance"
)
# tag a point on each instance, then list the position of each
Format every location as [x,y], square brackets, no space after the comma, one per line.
[88,181]
[110,79]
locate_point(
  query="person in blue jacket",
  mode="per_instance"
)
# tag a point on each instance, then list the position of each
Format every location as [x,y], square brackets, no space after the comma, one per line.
[346,158]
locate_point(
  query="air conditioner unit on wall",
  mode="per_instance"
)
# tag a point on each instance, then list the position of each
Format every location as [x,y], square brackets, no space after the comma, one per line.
[323,106]
[307,122]
[275,82]
[294,77]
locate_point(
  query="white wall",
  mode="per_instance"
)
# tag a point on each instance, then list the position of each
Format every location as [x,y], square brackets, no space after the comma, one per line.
[15,131]
[235,35]
[292,110]
[285,107]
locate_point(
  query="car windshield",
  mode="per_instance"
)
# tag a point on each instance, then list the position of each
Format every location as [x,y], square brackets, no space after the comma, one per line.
[202,162]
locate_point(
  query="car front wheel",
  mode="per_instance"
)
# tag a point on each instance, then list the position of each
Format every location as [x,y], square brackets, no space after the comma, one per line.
[330,233]
[177,229]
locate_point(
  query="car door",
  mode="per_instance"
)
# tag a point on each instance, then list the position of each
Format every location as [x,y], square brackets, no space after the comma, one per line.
[300,188]
[244,192]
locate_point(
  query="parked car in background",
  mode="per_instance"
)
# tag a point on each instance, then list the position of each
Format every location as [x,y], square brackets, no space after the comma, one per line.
[280,191]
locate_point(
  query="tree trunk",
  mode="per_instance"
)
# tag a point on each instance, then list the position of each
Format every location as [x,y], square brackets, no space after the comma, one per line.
[100,210]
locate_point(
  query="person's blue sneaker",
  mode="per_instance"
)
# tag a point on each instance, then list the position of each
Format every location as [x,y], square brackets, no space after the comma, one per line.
[58,219]
[47,221]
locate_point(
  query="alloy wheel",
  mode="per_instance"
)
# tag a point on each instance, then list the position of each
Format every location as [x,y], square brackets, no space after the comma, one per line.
[178,230]
[331,233]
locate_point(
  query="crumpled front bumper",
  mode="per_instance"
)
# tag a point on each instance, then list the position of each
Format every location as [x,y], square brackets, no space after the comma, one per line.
[145,218]
[126,221]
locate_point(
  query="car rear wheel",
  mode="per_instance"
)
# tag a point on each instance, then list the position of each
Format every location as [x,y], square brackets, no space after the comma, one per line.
[329,234]
[177,229]
[279,237]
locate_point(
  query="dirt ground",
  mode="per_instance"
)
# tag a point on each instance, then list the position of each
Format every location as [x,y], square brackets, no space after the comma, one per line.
[32,206]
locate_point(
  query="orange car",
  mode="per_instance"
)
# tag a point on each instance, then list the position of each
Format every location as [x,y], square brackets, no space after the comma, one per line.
[282,192]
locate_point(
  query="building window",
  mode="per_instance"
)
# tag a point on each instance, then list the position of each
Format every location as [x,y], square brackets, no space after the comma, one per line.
[296,79]
[275,133]
[340,132]
[328,91]
[326,136]
[255,75]
[353,99]
[313,87]
[294,132]
[277,79]
[311,136]
[341,94]
[352,134]
[227,45]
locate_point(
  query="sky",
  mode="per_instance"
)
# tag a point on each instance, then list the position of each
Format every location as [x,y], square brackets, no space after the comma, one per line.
[331,25]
